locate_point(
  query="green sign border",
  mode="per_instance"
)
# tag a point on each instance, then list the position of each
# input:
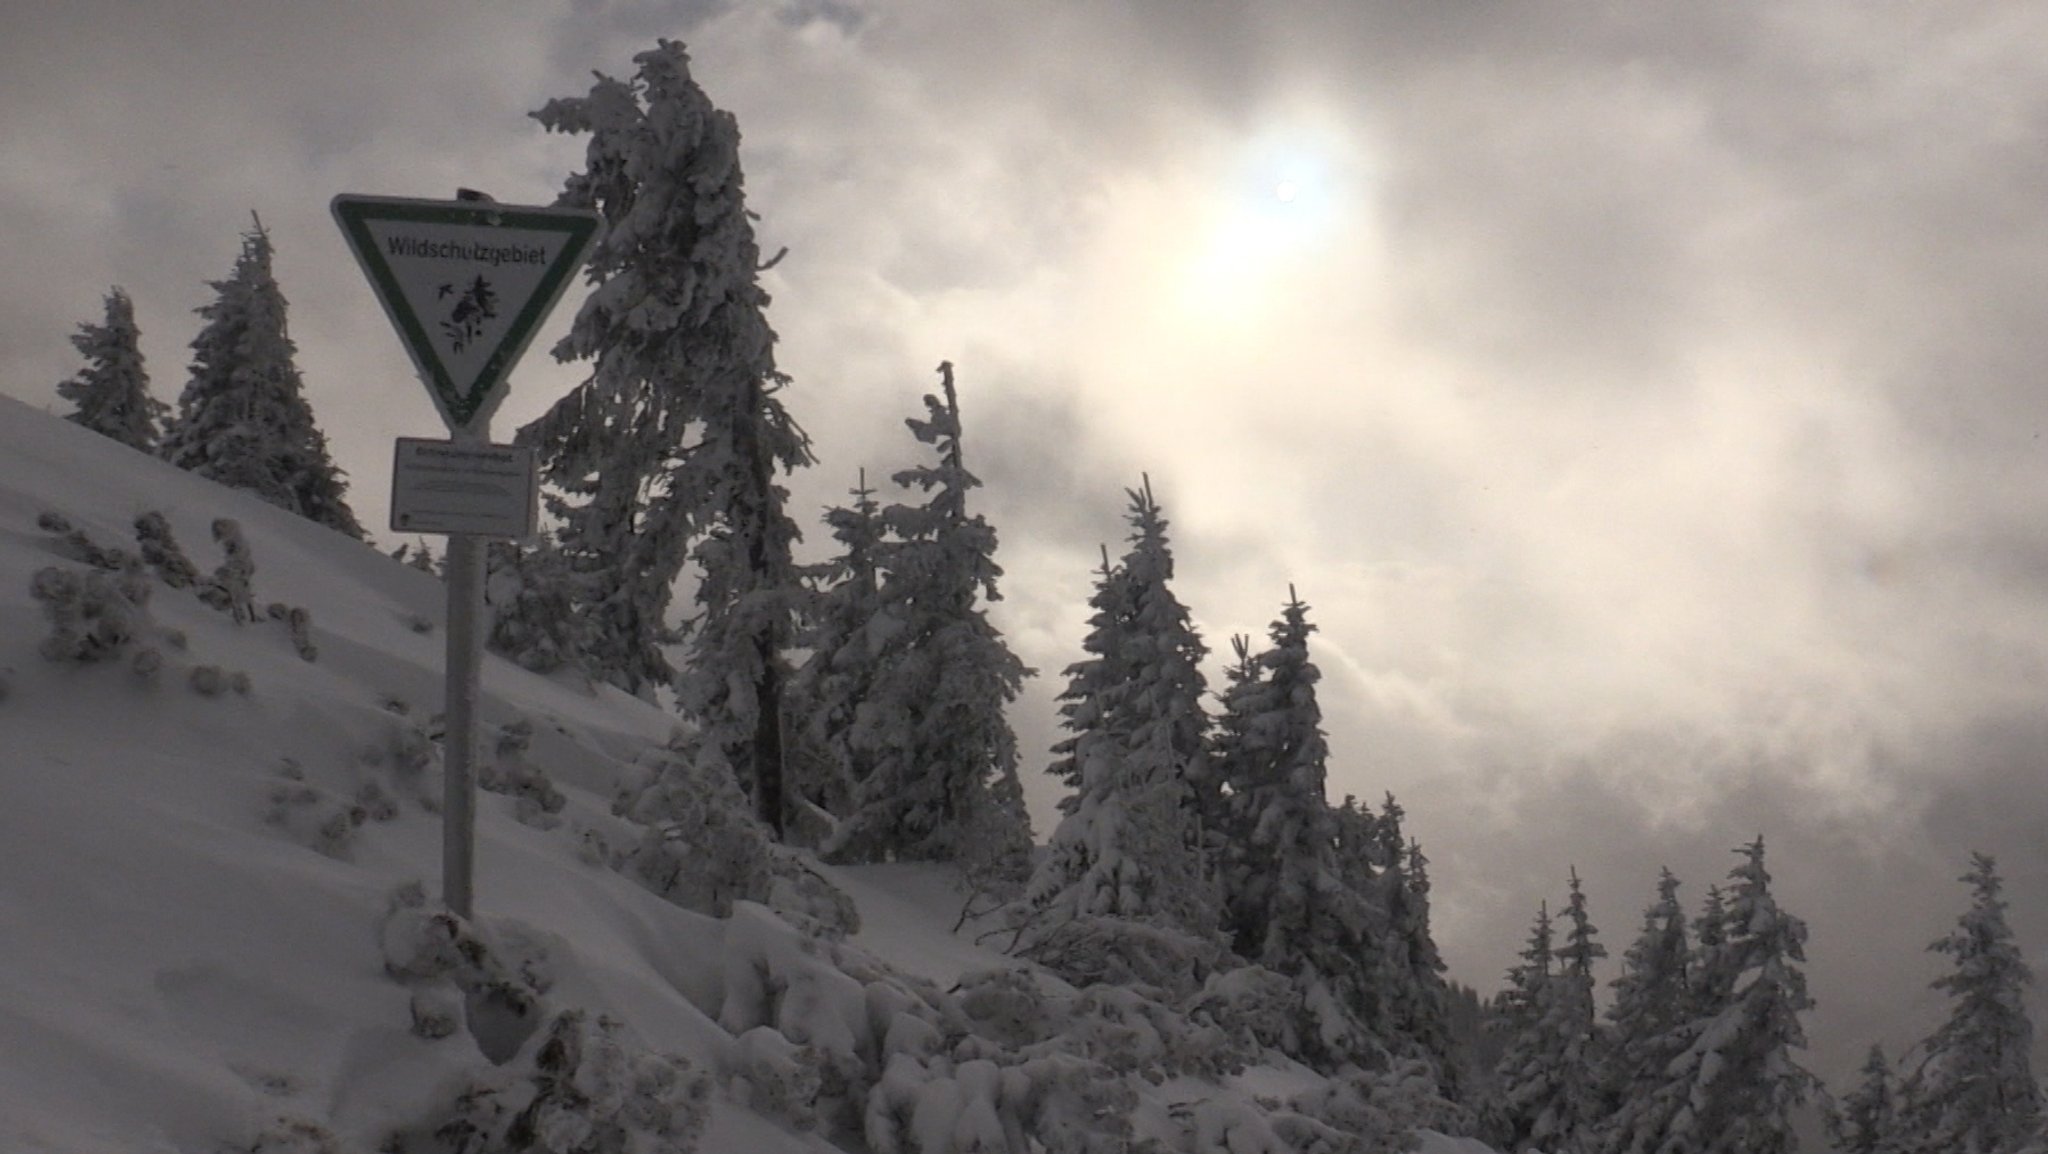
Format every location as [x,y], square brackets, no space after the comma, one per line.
[460,410]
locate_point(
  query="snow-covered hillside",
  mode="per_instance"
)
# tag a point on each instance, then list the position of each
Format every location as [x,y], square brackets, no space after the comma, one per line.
[220,860]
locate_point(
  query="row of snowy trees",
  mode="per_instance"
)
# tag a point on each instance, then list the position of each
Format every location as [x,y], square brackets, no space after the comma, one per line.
[1208,840]
[242,419]
[1697,1050]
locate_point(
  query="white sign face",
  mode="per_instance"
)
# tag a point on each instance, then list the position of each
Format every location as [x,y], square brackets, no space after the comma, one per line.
[467,283]
[453,487]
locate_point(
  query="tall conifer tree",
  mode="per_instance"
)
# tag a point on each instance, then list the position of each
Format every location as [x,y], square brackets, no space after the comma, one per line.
[1975,1092]
[1864,1121]
[243,419]
[1130,845]
[671,449]
[1737,1085]
[1549,1074]
[112,391]
[1287,905]
[941,758]
[1649,1020]
[841,635]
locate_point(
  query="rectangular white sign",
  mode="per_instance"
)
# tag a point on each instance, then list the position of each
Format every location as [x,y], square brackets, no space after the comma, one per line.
[454,487]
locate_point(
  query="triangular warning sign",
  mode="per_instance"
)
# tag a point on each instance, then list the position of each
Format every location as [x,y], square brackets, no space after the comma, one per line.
[467,283]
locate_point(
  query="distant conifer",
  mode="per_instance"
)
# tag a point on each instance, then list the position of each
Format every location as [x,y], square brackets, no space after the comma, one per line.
[112,391]
[243,419]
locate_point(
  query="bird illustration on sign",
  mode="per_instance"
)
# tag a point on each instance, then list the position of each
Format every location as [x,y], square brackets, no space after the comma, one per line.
[473,306]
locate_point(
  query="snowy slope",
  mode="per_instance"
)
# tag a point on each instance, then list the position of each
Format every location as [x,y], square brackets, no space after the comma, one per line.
[193,924]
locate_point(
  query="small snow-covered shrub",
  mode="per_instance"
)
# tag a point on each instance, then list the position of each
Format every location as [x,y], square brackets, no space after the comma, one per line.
[212,681]
[528,594]
[313,817]
[587,1088]
[410,757]
[1133,1034]
[1374,1109]
[1091,950]
[436,1011]
[1253,1006]
[79,545]
[536,799]
[1233,1126]
[1008,1007]
[228,590]
[93,616]
[775,1077]
[704,850]
[160,551]
[375,802]
[293,1136]
[299,621]
[1398,1100]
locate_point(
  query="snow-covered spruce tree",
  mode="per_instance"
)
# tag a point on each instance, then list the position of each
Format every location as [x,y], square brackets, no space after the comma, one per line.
[937,745]
[1082,702]
[1710,975]
[1130,844]
[112,391]
[669,451]
[1864,1121]
[1549,1077]
[1523,1071]
[1413,1009]
[531,607]
[243,419]
[1974,1092]
[1648,1022]
[1736,1087]
[1287,908]
[841,633]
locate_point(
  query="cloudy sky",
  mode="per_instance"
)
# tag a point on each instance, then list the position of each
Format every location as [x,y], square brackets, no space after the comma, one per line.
[1647,397]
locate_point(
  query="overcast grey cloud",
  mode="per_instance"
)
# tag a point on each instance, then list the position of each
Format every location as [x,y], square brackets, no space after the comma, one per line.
[1646,396]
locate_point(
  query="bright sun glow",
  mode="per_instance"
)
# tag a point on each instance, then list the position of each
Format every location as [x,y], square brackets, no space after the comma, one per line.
[1286,191]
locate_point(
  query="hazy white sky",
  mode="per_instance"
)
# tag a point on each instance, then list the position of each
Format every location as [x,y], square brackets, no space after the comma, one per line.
[1645,396]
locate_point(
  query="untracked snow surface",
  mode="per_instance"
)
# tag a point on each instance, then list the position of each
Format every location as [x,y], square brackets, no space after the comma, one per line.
[219,862]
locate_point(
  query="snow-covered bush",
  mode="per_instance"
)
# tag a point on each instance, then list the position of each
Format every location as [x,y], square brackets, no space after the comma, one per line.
[284,1135]
[312,816]
[529,596]
[1379,1112]
[300,622]
[1136,1035]
[79,545]
[212,681]
[535,798]
[1088,950]
[1252,1005]
[93,615]
[1008,1006]
[228,590]
[410,758]
[704,850]
[775,1077]
[160,551]
[587,1088]
[430,949]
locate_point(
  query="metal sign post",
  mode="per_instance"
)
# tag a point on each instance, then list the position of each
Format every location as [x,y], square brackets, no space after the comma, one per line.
[466,283]
[465,578]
